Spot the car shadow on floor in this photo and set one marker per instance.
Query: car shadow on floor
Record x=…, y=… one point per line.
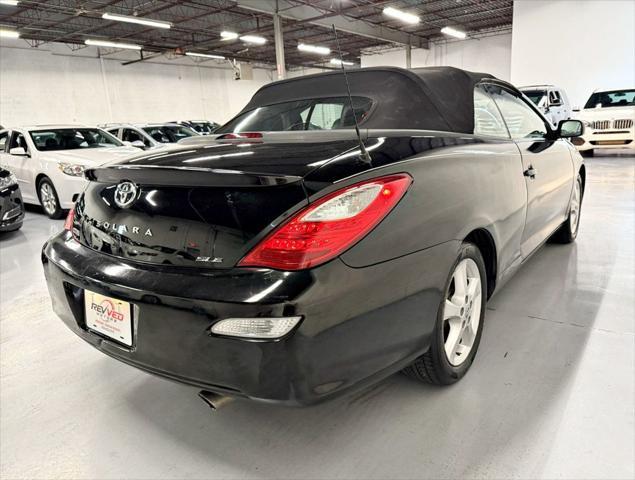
x=527, y=358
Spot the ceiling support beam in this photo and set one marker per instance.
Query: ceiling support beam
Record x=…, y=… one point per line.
x=279, y=41
x=309, y=14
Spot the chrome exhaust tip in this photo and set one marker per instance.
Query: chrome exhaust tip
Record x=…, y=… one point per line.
x=214, y=400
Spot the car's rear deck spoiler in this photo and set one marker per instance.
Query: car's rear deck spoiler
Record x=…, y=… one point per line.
x=185, y=176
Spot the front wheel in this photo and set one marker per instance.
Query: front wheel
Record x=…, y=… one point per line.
x=49, y=199
x=568, y=231
x=459, y=325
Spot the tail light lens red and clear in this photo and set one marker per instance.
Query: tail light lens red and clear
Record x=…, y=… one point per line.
x=329, y=226
x=241, y=136
x=68, y=223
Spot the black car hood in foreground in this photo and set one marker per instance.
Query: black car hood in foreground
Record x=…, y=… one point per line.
x=206, y=205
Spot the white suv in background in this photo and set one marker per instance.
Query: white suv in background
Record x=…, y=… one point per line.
x=150, y=135
x=552, y=101
x=49, y=161
x=608, y=117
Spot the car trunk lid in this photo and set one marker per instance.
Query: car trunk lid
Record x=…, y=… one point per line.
x=201, y=206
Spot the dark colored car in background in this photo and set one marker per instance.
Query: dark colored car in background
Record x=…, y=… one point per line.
x=11, y=206
x=285, y=261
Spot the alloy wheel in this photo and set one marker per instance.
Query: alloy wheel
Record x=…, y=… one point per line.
x=47, y=196
x=462, y=311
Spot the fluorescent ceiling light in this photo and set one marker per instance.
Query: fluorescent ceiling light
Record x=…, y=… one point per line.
x=399, y=15
x=453, y=32
x=138, y=20
x=104, y=43
x=337, y=61
x=9, y=33
x=13, y=3
x=253, y=39
x=314, y=49
x=228, y=35
x=204, y=55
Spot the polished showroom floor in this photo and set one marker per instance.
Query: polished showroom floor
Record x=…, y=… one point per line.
x=550, y=395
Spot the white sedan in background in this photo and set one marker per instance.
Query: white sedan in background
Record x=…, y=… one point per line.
x=609, y=121
x=49, y=161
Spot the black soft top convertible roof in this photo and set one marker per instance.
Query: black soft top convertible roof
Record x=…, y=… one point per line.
x=428, y=98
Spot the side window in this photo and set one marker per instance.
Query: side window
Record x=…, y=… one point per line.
x=130, y=135
x=487, y=118
x=325, y=115
x=17, y=140
x=3, y=140
x=554, y=97
x=113, y=131
x=521, y=120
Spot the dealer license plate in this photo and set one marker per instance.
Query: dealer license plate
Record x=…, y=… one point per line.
x=109, y=316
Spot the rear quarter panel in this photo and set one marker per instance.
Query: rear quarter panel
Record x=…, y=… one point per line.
x=459, y=185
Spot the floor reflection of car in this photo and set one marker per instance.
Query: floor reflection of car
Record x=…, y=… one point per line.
x=11, y=206
x=248, y=265
x=49, y=161
x=150, y=135
x=608, y=117
x=552, y=101
x=202, y=127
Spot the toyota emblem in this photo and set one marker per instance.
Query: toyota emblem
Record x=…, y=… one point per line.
x=125, y=194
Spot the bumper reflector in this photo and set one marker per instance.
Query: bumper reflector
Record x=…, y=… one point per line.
x=262, y=328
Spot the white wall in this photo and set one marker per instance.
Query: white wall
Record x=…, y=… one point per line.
x=486, y=54
x=579, y=45
x=55, y=85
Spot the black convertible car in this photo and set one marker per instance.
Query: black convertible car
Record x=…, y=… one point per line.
x=289, y=260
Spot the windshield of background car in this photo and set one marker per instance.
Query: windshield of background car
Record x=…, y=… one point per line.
x=169, y=133
x=309, y=114
x=615, y=98
x=535, y=95
x=202, y=127
x=72, y=139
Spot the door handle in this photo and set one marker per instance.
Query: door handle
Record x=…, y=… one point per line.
x=530, y=172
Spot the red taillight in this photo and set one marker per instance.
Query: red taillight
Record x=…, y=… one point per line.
x=68, y=224
x=328, y=227
x=240, y=136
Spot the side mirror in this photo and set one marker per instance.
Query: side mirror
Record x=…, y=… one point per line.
x=570, y=128
x=138, y=144
x=18, y=151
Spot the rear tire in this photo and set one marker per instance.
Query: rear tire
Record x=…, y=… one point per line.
x=459, y=325
x=568, y=231
x=48, y=198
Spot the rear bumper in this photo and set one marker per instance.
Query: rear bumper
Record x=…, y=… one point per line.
x=11, y=209
x=359, y=325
